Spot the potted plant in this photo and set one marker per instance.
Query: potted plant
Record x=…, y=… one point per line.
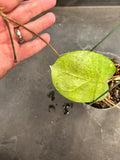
x=87, y=77
x=83, y=76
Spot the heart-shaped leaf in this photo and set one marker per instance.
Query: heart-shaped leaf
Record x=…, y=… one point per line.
x=82, y=76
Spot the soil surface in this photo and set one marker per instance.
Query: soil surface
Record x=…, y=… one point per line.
x=114, y=95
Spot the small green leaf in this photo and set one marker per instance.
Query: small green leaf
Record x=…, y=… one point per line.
x=82, y=76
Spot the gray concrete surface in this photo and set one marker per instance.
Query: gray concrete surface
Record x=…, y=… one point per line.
x=87, y=2
x=28, y=131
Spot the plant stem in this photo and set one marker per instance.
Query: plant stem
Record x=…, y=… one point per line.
x=114, y=29
x=15, y=58
x=5, y=16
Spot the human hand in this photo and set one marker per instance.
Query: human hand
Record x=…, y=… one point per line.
x=23, y=13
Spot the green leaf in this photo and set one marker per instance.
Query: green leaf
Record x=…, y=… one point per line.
x=82, y=76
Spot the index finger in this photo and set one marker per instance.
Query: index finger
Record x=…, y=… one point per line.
x=29, y=9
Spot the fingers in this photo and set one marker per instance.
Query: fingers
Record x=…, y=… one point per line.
x=29, y=9
x=9, y=4
x=30, y=48
x=37, y=26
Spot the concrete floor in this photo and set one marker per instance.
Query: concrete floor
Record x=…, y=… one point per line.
x=28, y=131
x=88, y=2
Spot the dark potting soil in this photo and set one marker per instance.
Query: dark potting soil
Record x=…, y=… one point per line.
x=113, y=95
x=51, y=95
x=51, y=108
x=67, y=108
